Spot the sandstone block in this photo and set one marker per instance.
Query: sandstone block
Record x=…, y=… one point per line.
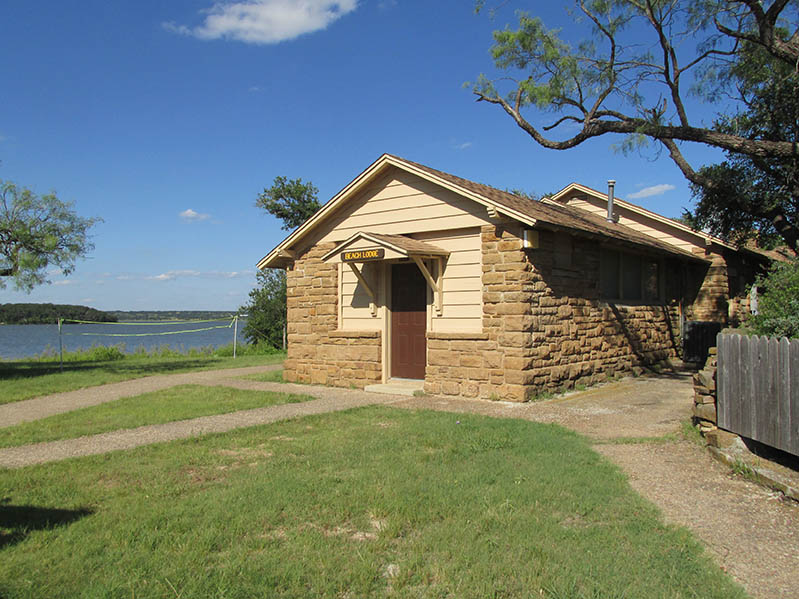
x=471, y=360
x=492, y=359
x=705, y=412
x=720, y=438
x=450, y=388
x=470, y=389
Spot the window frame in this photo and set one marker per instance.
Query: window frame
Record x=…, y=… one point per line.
x=644, y=261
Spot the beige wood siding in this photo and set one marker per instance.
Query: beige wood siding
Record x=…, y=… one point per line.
x=356, y=314
x=463, y=290
x=461, y=281
x=642, y=223
x=400, y=203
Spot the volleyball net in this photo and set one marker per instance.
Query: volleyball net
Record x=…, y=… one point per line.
x=231, y=322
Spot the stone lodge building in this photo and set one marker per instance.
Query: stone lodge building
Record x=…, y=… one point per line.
x=412, y=274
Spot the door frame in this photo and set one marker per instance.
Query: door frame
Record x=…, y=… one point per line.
x=387, y=314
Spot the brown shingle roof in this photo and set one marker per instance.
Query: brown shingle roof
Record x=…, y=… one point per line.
x=559, y=217
x=412, y=246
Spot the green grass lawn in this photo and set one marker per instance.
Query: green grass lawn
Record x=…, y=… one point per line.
x=27, y=379
x=176, y=403
x=373, y=502
x=273, y=376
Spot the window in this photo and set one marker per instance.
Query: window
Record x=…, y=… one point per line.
x=628, y=277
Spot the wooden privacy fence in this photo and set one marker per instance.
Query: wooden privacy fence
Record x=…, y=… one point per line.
x=757, y=385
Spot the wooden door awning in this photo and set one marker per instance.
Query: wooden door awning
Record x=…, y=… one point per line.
x=370, y=247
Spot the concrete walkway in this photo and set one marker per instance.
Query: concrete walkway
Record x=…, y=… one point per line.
x=58, y=403
x=39, y=453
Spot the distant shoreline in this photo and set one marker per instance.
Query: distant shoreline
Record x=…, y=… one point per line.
x=167, y=315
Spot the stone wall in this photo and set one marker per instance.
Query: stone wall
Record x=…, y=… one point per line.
x=544, y=326
x=493, y=364
x=704, y=410
x=579, y=339
x=707, y=289
x=317, y=352
x=705, y=407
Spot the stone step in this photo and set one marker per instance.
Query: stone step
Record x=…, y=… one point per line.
x=398, y=387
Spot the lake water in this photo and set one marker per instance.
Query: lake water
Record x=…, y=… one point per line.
x=26, y=340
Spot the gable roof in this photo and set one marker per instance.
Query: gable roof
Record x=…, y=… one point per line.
x=529, y=212
x=636, y=209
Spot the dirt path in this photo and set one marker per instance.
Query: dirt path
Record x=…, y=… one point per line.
x=327, y=400
x=58, y=403
x=751, y=532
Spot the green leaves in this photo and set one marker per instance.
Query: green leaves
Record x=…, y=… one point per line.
x=779, y=304
x=37, y=232
x=267, y=309
x=292, y=201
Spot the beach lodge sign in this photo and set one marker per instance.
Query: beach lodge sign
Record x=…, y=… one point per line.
x=363, y=255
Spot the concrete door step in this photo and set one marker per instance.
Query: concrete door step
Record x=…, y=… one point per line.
x=397, y=387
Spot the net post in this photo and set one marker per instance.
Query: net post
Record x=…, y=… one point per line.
x=60, y=347
x=235, y=333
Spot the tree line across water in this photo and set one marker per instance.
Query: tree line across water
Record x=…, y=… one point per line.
x=50, y=313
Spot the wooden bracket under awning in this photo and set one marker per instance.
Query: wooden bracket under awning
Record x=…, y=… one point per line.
x=366, y=286
x=365, y=247
x=435, y=284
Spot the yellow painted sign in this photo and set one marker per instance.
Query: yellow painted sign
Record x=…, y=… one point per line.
x=363, y=255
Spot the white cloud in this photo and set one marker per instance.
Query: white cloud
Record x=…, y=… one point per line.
x=462, y=146
x=64, y=282
x=209, y=274
x=191, y=216
x=654, y=190
x=266, y=21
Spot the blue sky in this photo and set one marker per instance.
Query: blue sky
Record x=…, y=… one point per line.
x=167, y=119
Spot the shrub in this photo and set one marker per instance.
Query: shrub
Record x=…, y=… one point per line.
x=778, y=305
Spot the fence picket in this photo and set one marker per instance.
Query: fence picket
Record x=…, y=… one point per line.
x=784, y=392
x=725, y=381
x=758, y=389
x=793, y=426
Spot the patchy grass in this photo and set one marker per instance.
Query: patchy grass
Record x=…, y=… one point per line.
x=273, y=376
x=169, y=405
x=690, y=432
x=34, y=378
x=373, y=502
x=667, y=438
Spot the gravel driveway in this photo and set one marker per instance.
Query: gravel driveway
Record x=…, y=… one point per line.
x=751, y=532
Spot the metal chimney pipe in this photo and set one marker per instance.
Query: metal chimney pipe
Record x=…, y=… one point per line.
x=611, y=188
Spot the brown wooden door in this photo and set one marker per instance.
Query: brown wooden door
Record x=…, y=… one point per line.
x=408, y=322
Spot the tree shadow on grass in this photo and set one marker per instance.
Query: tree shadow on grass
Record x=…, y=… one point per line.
x=17, y=521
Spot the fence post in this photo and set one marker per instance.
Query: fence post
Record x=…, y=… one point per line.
x=60, y=347
x=235, y=333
